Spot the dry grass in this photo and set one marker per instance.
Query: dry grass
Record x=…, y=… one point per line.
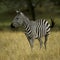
x=15, y=46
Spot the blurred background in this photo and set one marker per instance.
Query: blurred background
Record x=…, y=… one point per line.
x=33, y=9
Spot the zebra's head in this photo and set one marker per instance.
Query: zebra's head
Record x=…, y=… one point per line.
x=18, y=20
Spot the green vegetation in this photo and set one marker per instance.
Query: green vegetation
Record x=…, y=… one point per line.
x=6, y=19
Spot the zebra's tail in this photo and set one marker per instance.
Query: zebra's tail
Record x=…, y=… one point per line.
x=52, y=22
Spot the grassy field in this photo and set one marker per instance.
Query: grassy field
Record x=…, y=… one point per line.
x=15, y=46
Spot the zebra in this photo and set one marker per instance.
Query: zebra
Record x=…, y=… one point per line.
x=33, y=29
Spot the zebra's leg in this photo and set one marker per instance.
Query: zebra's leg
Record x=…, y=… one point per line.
x=31, y=43
x=46, y=36
x=41, y=42
x=30, y=40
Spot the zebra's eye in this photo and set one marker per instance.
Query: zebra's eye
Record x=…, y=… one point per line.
x=17, y=18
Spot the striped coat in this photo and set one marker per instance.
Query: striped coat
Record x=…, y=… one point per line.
x=33, y=29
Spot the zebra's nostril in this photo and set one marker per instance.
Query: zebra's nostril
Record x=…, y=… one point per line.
x=12, y=26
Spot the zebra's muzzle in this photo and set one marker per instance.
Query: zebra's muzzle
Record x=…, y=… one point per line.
x=12, y=26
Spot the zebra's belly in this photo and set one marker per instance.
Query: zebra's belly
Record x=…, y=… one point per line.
x=34, y=32
x=35, y=36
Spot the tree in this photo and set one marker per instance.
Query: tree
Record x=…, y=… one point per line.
x=32, y=5
x=18, y=4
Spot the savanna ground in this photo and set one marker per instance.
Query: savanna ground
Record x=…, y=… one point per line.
x=14, y=44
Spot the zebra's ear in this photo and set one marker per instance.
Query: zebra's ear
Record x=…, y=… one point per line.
x=21, y=13
x=18, y=12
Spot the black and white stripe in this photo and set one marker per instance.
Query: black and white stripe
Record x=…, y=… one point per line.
x=43, y=27
x=42, y=30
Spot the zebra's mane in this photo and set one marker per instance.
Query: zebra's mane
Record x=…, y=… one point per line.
x=25, y=18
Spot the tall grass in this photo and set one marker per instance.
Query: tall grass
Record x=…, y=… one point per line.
x=15, y=46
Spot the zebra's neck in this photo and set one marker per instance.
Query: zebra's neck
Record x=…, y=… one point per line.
x=26, y=21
